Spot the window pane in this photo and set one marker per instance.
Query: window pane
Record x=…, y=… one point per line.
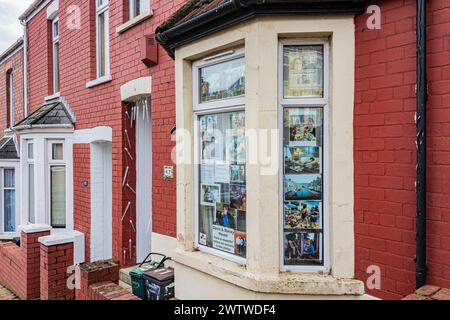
x=56, y=67
x=31, y=202
x=303, y=71
x=30, y=151
x=58, y=196
x=144, y=6
x=222, y=81
x=55, y=29
x=222, y=188
x=303, y=186
x=101, y=50
x=9, y=178
x=57, y=151
x=10, y=210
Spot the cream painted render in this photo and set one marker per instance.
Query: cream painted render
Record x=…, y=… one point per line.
x=136, y=89
x=261, y=274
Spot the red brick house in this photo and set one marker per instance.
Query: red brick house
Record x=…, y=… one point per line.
x=94, y=128
x=338, y=196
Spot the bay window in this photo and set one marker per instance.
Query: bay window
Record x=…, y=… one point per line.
x=303, y=92
x=55, y=51
x=9, y=199
x=138, y=7
x=57, y=179
x=102, y=45
x=221, y=154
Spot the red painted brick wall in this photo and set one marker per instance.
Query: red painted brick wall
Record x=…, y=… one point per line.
x=14, y=63
x=102, y=106
x=54, y=263
x=385, y=152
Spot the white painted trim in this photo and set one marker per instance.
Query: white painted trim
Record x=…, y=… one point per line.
x=99, y=10
x=99, y=81
x=35, y=228
x=52, y=10
x=32, y=12
x=97, y=134
x=101, y=201
x=53, y=96
x=16, y=166
x=143, y=187
x=136, y=89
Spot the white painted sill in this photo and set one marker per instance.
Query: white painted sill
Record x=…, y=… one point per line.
x=53, y=96
x=134, y=21
x=99, y=81
x=282, y=283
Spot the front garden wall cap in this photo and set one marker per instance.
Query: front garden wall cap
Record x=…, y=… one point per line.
x=54, y=113
x=199, y=18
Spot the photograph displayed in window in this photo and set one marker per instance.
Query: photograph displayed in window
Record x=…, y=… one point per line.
x=9, y=200
x=303, y=186
x=222, y=81
x=303, y=71
x=222, y=187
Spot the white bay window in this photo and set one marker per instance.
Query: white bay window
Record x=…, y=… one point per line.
x=57, y=184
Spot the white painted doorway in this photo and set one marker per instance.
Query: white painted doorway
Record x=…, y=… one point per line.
x=101, y=201
x=143, y=181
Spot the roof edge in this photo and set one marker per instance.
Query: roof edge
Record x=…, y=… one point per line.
x=31, y=9
x=233, y=12
x=15, y=46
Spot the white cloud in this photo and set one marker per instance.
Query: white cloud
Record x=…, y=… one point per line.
x=10, y=27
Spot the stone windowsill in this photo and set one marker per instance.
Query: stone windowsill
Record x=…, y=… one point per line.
x=134, y=21
x=283, y=283
x=99, y=81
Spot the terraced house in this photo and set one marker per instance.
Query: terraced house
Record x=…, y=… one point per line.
x=312, y=149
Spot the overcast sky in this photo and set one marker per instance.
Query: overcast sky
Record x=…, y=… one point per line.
x=10, y=27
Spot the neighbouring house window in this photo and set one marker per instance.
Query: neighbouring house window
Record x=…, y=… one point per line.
x=9, y=200
x=55, y=46
x=138, y=7
x=57, y=170
x=31, y=197
x=102, y=22
x=222, y=189
x=10, y=98
x=304, y=107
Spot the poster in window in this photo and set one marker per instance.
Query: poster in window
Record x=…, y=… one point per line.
x=302, y=215
x=304, y=126
x=303, y=71
x=240, y=243
x=210, y=194
x=302, y=248
x=238, y=197
x=302, y=160
x=235, y=148
x=303, y=187
x=223, y=80
x=237, y=173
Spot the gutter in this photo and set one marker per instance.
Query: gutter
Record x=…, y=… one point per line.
x=232, y=12
x=421, y=190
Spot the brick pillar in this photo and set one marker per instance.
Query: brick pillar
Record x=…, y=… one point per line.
x=30, y=250
x=96, y=272
x=55, y=261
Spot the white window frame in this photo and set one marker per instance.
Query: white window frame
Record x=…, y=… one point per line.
x=99, y=10
x=55, y=43
x=30, y=161
x=55, y=163
x=217, y=107
x=11, y=98
x=2, y=199
x=133, y=13
x=306, y=102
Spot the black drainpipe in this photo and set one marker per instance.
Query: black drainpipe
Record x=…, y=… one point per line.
x=421, y=195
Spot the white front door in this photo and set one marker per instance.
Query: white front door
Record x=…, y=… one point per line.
x=101, y=201
x=143, y=185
